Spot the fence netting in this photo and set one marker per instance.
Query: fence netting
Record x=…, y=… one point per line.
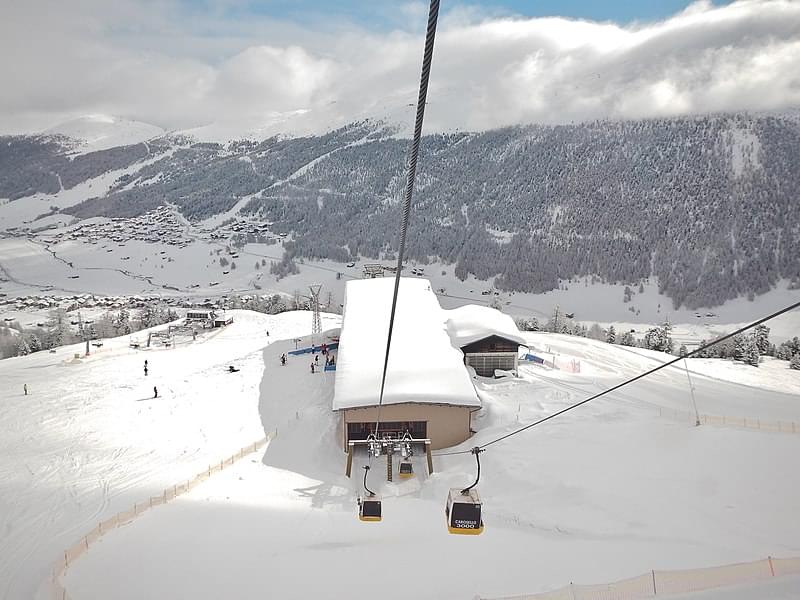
x=666, y=583
x=124, y=517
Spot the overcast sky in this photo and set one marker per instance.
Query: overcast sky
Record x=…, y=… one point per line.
x=182, y=64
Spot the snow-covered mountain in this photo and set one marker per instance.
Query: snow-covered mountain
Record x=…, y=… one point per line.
x=704, y=205
x=100, y=132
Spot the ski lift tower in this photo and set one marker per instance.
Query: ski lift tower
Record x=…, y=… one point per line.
x=316, y=323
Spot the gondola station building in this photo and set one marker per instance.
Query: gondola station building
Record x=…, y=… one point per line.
x=429, y=391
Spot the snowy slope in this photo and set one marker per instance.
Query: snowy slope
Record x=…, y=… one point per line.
x=605, y=492
x=100, y=132
x=90, y=440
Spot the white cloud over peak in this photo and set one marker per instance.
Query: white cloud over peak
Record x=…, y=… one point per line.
x=181, y=71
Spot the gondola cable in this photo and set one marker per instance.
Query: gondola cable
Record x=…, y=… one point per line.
x=411, y=172
x=433, y=16
x=628, y=381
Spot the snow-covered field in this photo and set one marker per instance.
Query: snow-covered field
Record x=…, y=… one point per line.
x=90, y=440
x=139, y=267
x=605, y=492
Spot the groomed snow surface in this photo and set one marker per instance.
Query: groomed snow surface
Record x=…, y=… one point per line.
x=603, y=493
x=90, y=440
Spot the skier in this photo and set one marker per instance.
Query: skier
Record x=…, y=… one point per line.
x=145, y=370
x=25, y=387
x=312, y=368
x=155, y=392
x=283, y=360
x=316, y=358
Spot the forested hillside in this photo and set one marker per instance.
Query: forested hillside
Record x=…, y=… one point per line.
x=708, y=205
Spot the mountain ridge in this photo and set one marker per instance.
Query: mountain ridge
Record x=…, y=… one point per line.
x=702, y=203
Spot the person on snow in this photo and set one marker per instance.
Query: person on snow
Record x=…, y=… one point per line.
x=283, y=360
x=316, y=359
x=155, y=392
x=312, y=368
x=25, y=387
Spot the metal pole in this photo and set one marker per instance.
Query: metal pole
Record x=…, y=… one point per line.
x=691, y=391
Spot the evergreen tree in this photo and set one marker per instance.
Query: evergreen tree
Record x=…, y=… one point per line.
x=788, y=349
x=23, y=348
x=682, y=351
x=658, y=339
x=739, y=342
x=750, y=353
x=122, y=322
x=611, y=335
x=795, y=362
x=761, y=333
x=627, y=339
x=34, y=343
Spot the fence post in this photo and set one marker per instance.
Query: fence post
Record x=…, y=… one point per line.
x=655, y=590
x=771, y=568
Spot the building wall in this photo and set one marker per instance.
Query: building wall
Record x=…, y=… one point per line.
x=485, y=363
x=447, y=425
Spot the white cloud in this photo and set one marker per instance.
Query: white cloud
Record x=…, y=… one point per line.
x=156, y=63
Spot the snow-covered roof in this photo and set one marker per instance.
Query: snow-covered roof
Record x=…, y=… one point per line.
x=468, y=324
x=424, y=367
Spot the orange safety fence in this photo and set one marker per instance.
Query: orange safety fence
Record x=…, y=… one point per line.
x=122, y=518
x=726, y=421
x=666, y=583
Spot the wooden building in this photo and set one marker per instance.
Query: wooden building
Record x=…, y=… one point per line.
x=428, y=391
x=488, y=339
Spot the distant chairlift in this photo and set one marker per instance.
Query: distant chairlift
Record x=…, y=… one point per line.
x=463, y=508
